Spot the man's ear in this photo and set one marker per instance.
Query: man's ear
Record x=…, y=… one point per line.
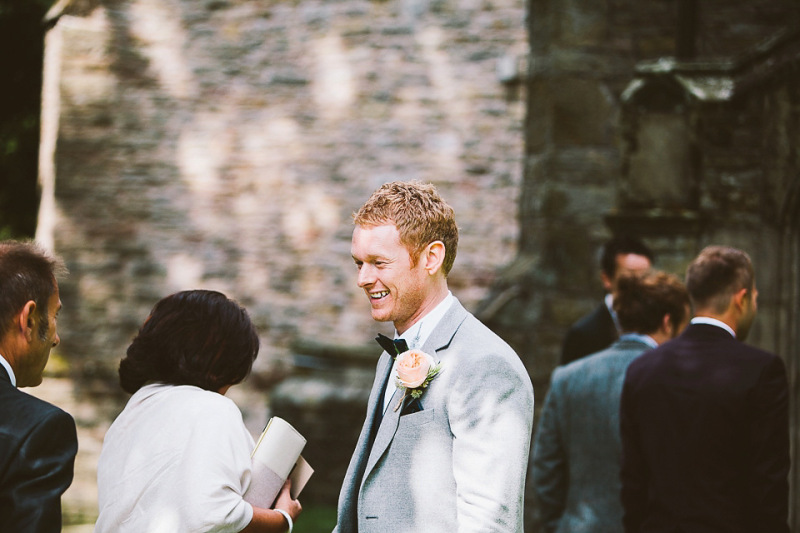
x=607, y=284
x=434, y=257
x=740, y=298
x=26, y=320
x=667, y=327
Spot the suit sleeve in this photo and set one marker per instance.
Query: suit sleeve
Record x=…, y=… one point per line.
x=769, y=440
x=550, y=462
x=44, y=472
x=491, y=416
x=633, y=474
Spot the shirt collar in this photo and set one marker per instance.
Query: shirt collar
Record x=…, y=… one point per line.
x=417, y=334
x=609, y=300
x=713, y=322
x=5, y=364
x=646, y=339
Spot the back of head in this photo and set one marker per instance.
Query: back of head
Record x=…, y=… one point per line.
x=196, y=337
x=716, y=274
x=643, y=300
x=622, y=245
x=419, y=213
x=27, y=272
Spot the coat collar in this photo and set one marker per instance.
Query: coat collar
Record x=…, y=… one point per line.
x=706, y=331
x=7, y=372
x=442, y=336
x=440, y=339
x=4, y=375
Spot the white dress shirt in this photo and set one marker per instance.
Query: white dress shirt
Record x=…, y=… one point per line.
x=415, y=337
x=609, y=301
x=713, y=322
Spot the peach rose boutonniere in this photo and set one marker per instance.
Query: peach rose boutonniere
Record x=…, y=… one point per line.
x=415, y=370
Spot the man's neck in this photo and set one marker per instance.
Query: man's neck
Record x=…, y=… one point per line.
x=425, y=309
x=417, y=335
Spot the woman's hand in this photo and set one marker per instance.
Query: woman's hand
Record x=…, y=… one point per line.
x=270, y=520
x=285, y=501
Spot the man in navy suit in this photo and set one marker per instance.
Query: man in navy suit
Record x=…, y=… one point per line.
x=38, y=441
x=598, y=329
x=704, y=417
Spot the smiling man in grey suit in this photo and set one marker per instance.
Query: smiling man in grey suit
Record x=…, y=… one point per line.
x=454, y=458
x=576, y=453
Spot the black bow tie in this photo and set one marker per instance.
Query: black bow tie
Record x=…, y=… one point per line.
x=393, y=347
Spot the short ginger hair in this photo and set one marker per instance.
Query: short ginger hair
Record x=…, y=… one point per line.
x=420, y=215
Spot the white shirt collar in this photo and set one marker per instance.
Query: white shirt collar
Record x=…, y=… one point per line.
x=609, y=300
x=646, y=339
x=713, y=322
x=415, y=337
x=417, y=334
x=8, y=368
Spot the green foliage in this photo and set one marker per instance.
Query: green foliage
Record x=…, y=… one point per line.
x=22, y=37
x=316, y=519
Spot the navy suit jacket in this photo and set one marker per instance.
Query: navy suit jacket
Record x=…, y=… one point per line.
x=705, y=437
x=590, y=334
x=38, y=443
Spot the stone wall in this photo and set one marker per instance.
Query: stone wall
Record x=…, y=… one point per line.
x=225, y=143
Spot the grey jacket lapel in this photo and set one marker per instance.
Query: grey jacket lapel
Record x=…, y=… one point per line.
x=443, y=334
x=439, y=339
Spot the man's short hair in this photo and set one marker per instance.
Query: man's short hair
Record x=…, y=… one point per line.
x=716, y=274
x=642, y=300
x=419, y=213
x=622, y=245
x=196, y=337
x=27, y=272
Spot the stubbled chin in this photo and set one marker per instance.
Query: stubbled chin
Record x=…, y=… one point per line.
x=380, y=311
x=379, y=315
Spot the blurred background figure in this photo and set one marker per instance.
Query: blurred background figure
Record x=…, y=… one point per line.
x=576, y=453
x=704, y=419
x=598, y=329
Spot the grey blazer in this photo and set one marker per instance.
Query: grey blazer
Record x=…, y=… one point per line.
x=576, y=451
x=457, y=462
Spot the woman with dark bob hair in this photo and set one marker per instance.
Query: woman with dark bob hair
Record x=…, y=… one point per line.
x=177, y=459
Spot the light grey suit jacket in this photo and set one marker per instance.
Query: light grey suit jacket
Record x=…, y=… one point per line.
x=459, y=464
x=576, y=452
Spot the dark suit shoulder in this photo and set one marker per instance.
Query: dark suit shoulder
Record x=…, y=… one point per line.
x=38, y=444
x=703, y=351
x=27, y=409
x=29, y=423
x=599, y=317
x=591, y=333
